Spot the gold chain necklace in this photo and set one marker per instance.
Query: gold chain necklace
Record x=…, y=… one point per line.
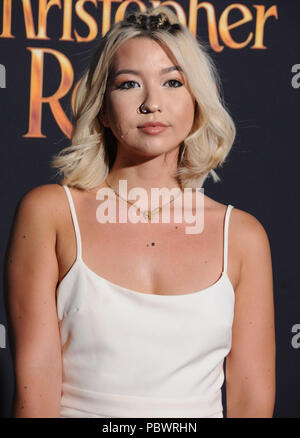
x=148, y=214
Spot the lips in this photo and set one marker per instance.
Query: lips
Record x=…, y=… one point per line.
x=152, y=124
x=153, y=128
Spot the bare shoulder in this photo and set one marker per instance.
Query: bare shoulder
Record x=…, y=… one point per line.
x=253, y=246
x=248, y=230
x=248, y=239
x=46, y=195
x=45, y=200
x=245, y=227
x=32, y=240
x=36, y=218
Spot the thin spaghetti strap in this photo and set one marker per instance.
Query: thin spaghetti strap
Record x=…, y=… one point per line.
x=226, y=226
x=75, y=221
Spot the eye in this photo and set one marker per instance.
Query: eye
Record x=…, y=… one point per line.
x=176, y=81
x=174, y=84
x=123, y=87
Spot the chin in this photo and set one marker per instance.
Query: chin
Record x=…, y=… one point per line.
x=151, y=150
x=155, y=152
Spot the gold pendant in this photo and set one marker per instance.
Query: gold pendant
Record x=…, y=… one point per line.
x=147, y=214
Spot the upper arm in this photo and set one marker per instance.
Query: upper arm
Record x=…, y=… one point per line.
x=31, y=276
x=250, y=365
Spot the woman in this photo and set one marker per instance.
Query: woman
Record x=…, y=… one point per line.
x=134, y=319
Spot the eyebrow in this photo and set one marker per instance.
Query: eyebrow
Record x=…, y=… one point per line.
x=136, y=72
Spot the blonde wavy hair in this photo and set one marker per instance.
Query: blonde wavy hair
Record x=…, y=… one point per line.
x=88, y=160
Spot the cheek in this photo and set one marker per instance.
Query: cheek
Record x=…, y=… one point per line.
x=121, y=109
x=121, y=117
x=184, y=110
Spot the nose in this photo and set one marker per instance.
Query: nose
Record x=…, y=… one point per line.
x=150, y=108
x=152, y=101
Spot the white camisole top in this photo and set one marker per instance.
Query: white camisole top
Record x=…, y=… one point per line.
x=130, y=354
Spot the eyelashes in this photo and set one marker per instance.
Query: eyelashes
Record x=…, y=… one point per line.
x=123, y=87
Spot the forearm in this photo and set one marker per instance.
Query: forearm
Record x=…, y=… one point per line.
x=37, y=394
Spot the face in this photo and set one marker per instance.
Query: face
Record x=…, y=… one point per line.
x=164, y=94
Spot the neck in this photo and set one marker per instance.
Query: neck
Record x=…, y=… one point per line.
x=150, y=173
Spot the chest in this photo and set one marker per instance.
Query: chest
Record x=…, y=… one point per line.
x=147, y=257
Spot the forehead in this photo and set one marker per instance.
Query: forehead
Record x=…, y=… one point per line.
x=139, y=51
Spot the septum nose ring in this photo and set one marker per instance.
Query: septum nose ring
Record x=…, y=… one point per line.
x=142, y=110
